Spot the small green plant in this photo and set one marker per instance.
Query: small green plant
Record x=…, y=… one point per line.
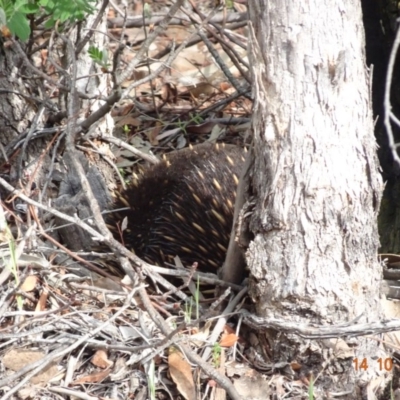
x=147, y=10
x=181, y=125
x=311, y=389
x=194, y=119
x=193, y=301
x=216, y=355
x=151, y=380
x=197, y=298
x=188, y=310
x=126, y=128
x=229, y=4
x=14, y=13
x=99, y=57
x=12, y=262
x=65, y=10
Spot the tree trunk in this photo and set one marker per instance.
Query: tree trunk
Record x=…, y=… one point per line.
x=18, y=107
x=315, y=179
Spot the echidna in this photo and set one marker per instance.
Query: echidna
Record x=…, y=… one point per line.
x=183, y=206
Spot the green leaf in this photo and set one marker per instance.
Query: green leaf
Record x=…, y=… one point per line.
x=147, y=10
x=104, y=57
x=64, y=16
x=29, y=9
x=47, y=3
x=50, y=23
x=3, y=18
x=8, y=7
x=18, y=25
x=19, y=3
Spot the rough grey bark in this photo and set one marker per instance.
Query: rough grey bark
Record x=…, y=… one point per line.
x=315, y=180
x=18, y=106
x=15, y=110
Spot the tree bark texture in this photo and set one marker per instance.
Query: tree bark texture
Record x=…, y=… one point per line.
x=18, y=107
x=315, y=174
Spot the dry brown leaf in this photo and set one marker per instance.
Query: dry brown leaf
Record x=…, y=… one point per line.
x=252, y=385
x=179, y=34
x=93, y=378
x=44, y=55
x=228, y=340
x=153, y=133
x=29, y=392
x=295, y=366
x=198, y=338
x=340, y=348
x=122, y=111
x=201, y=89
x=229, y=329
x=132, y=35
x=29, y=283
x=101, y=360
x=204, y=128
x=169, y=93
x=41, y=304
x=126, y=120
x=224, y=86
x=45, y=375
x=111, y=13
x=18, y=359
x=107, y=283
x=181, y=374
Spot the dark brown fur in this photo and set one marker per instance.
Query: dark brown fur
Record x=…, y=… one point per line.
x=183, y=206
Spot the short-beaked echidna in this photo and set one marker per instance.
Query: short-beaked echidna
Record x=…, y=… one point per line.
x=183, y=206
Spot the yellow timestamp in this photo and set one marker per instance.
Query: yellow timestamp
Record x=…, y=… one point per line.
x=362, y=364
